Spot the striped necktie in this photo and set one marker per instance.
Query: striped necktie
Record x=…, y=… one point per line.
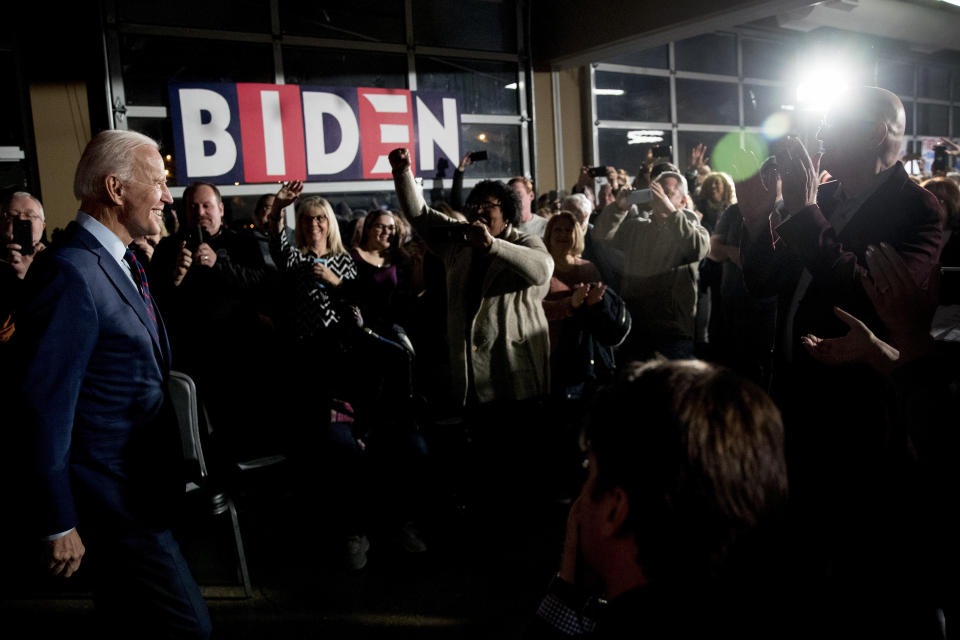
x=140, y=277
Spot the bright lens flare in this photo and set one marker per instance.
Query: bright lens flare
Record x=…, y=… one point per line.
x=776, y=126
x=818, y=92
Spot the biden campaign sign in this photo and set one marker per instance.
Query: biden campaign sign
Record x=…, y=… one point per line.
x=248, y=132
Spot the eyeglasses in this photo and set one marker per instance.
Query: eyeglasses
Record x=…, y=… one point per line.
x=21, y=215
x=383, y=227
x=159, y=185
x=484, y=206
x=312, y=219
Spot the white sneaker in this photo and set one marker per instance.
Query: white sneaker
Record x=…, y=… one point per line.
x=355, y=556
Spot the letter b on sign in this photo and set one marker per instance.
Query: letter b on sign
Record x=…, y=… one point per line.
x=206, y=130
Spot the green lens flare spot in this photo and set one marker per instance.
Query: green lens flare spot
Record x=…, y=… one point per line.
x=727, y=151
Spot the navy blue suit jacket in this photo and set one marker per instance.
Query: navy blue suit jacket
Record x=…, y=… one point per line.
x=107, y=450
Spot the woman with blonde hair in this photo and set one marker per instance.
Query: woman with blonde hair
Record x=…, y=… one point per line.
x=715, y=195
x=318, y=264
x=583, y=315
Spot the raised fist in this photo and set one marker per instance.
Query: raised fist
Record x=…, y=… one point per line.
x=399, y=160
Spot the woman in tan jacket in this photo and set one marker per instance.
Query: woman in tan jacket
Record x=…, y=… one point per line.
x=497, y=278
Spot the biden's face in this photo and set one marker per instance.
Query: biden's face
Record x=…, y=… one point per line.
x=145, y=194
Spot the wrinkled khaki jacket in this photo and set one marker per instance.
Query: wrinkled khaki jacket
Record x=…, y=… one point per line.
x=508, y=346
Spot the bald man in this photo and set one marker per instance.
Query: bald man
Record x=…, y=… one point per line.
x=853, y=490
x=811, y=250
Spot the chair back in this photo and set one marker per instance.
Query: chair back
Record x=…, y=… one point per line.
x=183, y=394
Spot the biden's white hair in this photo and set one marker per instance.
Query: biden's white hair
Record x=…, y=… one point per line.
x=109, y=153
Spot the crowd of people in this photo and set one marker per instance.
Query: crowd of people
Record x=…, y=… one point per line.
x=515, y=320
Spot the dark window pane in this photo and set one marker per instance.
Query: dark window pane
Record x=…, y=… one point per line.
x=908, y=108
x=238, y=209
x=325, y=67
x=710, y=53
x=149, y=63
x=13, y=176
x=11, y=123
x=369, y=20
x=704, y=102
x=657, y=58
x=229, y=15
x=766, y=59
x=687, y=140
x=161, y=130
x=934, y=83
x=760, y=102
x=956, y=87
x=479, y=86
x=363, y=201
x=618, y=147
x=467, y=24
x=956, y=123
x=933, y=119
x=502, y=144
x=896, y=77
x=644, y=98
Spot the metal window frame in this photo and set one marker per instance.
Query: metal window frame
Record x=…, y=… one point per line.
x=120, y=112
x=915, y=136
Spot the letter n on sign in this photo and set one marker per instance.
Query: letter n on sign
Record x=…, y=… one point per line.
x=386, y=122
x=271, y=122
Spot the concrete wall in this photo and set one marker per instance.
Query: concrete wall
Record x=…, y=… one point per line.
x=61, y=123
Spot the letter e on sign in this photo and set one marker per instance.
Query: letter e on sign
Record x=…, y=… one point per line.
x=386, y=122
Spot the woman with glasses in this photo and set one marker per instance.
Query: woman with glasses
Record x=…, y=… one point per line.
x=376, y=258
x=318, y=265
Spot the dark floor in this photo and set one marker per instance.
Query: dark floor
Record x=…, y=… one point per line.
x=480, y=578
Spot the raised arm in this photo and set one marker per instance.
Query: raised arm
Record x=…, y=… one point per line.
x=612, y=216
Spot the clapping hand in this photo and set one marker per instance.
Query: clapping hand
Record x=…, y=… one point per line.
x=859, y=345
x=595, y=293
x=905, y=307
x=755, y=196
x=799, y=174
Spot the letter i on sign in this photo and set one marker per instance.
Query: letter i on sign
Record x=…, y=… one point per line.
x=386, y=122
x=271, y=122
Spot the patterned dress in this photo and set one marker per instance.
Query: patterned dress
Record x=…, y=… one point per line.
x=316, y=304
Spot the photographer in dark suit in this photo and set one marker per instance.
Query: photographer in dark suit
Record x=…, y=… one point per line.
x=210, y=280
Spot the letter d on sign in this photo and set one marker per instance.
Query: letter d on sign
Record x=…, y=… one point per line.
x=205, y=116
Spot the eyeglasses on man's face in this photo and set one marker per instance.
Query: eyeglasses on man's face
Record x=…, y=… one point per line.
x=20, y=214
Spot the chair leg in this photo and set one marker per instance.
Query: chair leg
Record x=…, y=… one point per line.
x=241, y=556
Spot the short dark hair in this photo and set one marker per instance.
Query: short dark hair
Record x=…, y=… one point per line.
x=699, y=453
x=262, y=201
x=196, y=185
x=510, y=203
x=661, y=167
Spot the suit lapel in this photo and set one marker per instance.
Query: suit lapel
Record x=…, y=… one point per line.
x=128, y=291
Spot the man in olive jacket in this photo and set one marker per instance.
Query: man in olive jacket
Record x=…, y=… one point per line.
x=497, y=278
